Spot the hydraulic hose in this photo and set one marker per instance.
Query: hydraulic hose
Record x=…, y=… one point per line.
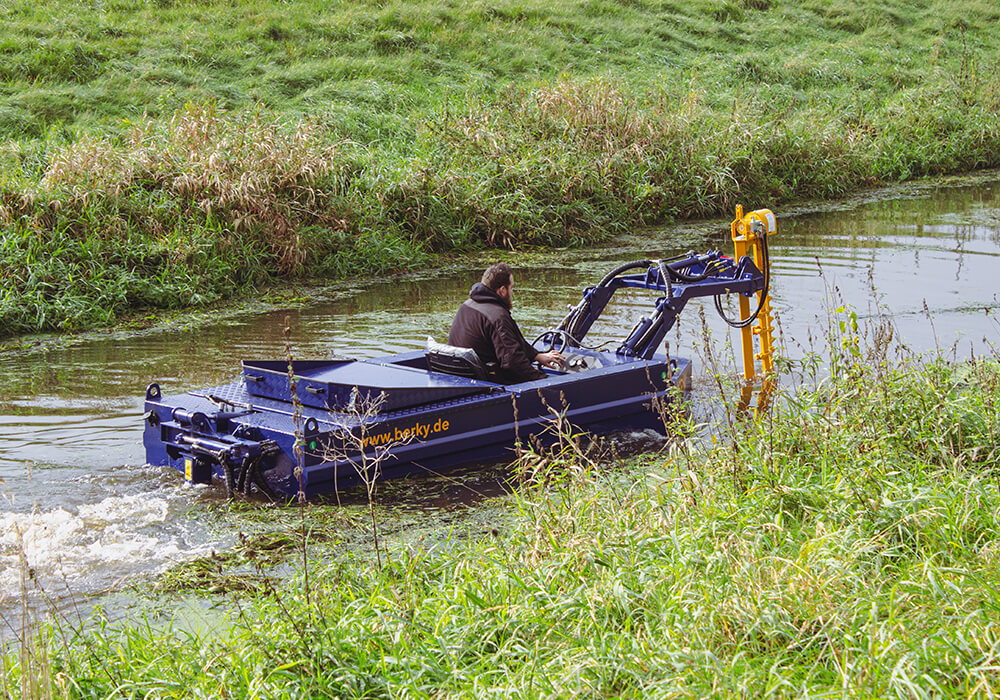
x=577, y=315
x=566, y=337
x=665, y=274
x=684, y=277
x=766, y=260
x=622, y=268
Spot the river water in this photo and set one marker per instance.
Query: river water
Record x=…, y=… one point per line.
x=81, y=514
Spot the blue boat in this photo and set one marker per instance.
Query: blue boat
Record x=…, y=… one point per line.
x=316, y=427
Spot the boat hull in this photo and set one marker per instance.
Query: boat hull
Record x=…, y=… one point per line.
x=242, y=434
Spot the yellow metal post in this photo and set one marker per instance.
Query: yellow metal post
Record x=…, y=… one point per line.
x=748, y=232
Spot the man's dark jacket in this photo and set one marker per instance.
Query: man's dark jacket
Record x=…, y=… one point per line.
x=484, y=324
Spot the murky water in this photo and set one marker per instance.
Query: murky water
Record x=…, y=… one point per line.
x=83, y=513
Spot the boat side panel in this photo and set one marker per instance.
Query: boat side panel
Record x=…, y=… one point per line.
x=621, y=397
x=429, y=438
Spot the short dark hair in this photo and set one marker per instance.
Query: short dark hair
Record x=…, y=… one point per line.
x=497, y=275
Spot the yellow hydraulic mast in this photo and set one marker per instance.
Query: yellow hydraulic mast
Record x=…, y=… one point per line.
x=749, y=234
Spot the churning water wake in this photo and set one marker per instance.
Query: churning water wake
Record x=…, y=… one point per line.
x=93, y=547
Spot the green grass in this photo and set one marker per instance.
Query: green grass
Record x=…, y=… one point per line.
x=200, y=148
x=845, y=543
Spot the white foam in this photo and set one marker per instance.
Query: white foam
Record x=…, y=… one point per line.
x=92, y=548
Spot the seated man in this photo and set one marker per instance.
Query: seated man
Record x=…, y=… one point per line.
x=484, y=324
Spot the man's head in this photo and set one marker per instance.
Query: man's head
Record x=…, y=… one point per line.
x=500, y=279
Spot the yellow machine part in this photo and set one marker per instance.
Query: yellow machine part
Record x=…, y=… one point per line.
x=748, y=232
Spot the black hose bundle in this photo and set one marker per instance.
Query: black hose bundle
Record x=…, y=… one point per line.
x=646, y=264
x=766, y=261
x=685, y=277
x=579, y=312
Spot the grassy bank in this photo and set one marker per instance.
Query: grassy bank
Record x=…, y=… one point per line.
x=844, y=544
x=160, y=155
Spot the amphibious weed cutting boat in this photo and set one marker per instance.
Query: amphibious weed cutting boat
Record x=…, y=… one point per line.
x=314, y=427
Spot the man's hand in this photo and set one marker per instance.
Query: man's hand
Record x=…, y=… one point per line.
x=551, y=359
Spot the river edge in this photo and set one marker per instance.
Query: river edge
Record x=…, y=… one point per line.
x=304, y=292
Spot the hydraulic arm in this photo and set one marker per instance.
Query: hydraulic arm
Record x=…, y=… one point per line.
x=684, y=278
